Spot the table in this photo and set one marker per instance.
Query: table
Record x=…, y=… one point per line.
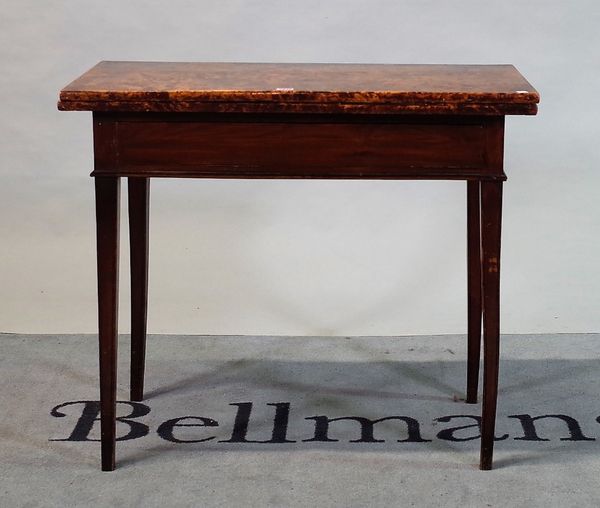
x=255, y=120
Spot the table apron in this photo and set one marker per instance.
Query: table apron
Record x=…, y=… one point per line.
x=403, y=147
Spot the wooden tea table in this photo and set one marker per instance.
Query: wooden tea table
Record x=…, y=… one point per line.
x=240, y=120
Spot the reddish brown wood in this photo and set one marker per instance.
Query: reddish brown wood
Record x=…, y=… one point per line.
x=275, y=146
x=139, y=194
x=107, y=225
x=491, y=217
x=441, y=108
x=474, y=308
x=323, y=88
x=297, y=121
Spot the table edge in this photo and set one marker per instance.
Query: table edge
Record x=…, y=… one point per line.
x=257, y=107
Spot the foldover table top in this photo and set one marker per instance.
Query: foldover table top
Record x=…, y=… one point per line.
x=299, y=87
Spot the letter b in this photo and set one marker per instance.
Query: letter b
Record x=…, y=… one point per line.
x=90, y=414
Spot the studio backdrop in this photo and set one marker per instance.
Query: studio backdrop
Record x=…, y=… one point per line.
x=302, y=257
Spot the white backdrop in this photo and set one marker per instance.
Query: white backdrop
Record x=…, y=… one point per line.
x=288, y=257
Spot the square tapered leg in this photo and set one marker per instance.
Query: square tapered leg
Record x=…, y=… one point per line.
x=107, y=245
x=474, y=289
x=491, y=217
x=139, y=191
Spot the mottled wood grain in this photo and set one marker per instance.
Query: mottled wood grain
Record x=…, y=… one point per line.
x=301, y=88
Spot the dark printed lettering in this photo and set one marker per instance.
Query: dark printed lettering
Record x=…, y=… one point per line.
x=366, y=429
x=242, y=419
x=449, y=434
x=530, y=432
x=165, y=429
x=90, y=414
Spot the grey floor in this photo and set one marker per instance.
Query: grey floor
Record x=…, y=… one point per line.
x=49, y=388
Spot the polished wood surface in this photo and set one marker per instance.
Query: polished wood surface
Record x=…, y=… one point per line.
x=474, y=292
x=261, y=87
x=275, y=146
x=107, y=241
x=297, y=121
x=139, y=215
x=491, y=219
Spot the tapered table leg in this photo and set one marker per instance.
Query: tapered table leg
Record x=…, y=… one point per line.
x=107, y=246
x=491, y=217
x=474, y=307
x=138, y=243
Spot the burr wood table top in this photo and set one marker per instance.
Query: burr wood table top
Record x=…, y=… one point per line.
x=299, y=87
